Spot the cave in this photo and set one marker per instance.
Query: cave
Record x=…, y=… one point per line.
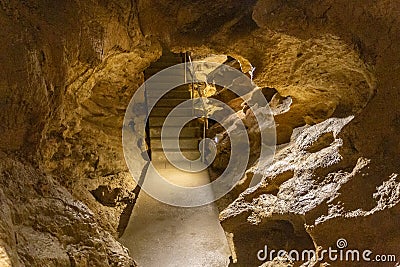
x=305, y=134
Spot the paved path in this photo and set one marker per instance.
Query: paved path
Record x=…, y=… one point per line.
x=163, y=235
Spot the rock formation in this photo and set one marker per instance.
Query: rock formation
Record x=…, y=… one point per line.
x=69, y=69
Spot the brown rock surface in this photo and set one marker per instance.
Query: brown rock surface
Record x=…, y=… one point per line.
x=334, y=59
x=42, y=224
x=69, y=69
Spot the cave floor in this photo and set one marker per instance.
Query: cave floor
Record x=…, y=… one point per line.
x=162, y=235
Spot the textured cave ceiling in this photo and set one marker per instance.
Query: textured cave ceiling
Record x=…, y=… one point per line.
x=70, y=68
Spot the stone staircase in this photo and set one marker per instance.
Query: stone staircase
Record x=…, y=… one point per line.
x=190, y=135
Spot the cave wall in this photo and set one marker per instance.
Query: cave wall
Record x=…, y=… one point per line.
x=69, y=68
x=335, y=59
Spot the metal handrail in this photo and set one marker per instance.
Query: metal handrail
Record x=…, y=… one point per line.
x=147, y=125
x=205, y=113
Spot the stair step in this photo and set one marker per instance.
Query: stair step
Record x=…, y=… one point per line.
x=190, y=166
x=159, y=155
x=162, y=66
x=172, y=77
x=155, y=132
x=178, y=70
x=173, y=150
x=196, y=138
x=184, y=144
x=164, y=111
x=159, y=121
x=181, y=88
x=155, y=69
x=171, y=94
x=165, y=62
x=166, y=85
x=169, y=102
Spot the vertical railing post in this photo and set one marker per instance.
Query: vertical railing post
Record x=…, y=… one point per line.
x=205, y=115
x=204, y=138
x=185, y=68
x=147, y=126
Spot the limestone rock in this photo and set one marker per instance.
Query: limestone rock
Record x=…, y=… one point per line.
x=69, y=69
x=44, y=225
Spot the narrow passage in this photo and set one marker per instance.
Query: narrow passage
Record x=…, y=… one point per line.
x=162, y=235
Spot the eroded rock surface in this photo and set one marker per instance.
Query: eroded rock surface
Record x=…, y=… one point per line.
x=42, y=224
x=70, y=68
x=68, y=72
x=333, y=59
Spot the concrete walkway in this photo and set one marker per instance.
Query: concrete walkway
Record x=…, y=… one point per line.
x=163, y=235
